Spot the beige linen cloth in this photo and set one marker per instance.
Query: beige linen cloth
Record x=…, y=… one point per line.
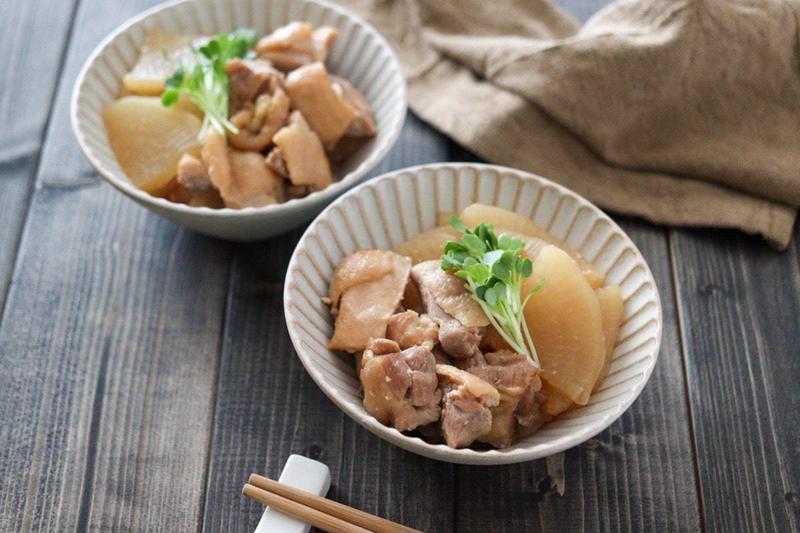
x=681, y=112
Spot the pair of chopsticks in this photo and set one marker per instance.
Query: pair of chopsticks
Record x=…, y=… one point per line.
x=321, y=513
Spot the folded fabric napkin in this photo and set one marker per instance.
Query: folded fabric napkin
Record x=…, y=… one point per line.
x=681, y=112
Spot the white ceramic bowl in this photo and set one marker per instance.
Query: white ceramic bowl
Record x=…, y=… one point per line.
x=360, y=55
x=394, y=207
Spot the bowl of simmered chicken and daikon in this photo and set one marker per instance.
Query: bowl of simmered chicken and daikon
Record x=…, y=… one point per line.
x=243, y=119
x=473, y=313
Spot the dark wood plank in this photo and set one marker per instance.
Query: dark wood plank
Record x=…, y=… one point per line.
x=638, y=475
x=268, y=407
x=739, y=301
x=109, y=346
x=32, y=37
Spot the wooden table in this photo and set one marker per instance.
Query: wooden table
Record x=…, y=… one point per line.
x=145, y=370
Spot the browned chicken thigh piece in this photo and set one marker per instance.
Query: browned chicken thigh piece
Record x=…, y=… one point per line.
x=411, y=329
x=303, y=154
x=259, y=107
x=380, y=346
x=277, y=163
x=364, y=124
x=192, y=186
x=257, y=184
x=325, y=109
x=242, y=178
x=530, y=413
x=441, y=356
x=375, y=347
x=175, y=192
x=361, y=267
x=323, y=38
x=466, y=411
x=366, y=301
x=296, y=44
x=192, y=173
x=515, y=378
x=248, y=78
x=360, y=129
x=446, y=300
x=465, y=363
x=401, y=388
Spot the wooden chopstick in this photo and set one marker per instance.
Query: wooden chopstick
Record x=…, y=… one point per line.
x=306, y=506
x=297, y=510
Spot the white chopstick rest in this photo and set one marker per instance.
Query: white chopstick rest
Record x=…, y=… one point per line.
x=304, y=474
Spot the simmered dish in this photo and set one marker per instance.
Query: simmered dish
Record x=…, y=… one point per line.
x=475, y=333
x=233, y=121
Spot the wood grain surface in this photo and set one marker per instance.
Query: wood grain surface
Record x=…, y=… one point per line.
x=739, y=302
x=109, y=345
x=147, y=371
x=29, y=73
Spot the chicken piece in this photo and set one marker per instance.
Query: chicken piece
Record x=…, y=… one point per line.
x=468, y=399
x=458, y=340
x=493, y=342
x=247, y=79
x=514, y=376
x=305, y=158
x=192, y=186
x=530, y=413
x=364, y=124
x=441, y=356
x=242, y=178
x=209, y=198
x=446, y=300
x=297, y=191
x=325, y=109
x=401, y=388
x=449, y=293
x=411, y=298
x=365, y=307
x=192, y=173
x=257, y=184
x=374, y=348
x=259, y=124
x=411, y=329
x=363, y=266
x=323, y=39
x=178, y=193
x=465, y=363
x=380, y=346
x=277, y=163
x=214, y=153
x=258, y=105
x=295, y=45
x=361, y=129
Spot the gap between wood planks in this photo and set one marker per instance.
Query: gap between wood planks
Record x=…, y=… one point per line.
x=687, y=386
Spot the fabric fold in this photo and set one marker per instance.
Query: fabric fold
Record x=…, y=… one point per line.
x=683, y=113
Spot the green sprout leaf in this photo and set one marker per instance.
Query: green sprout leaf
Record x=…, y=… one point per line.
x=491, y=257
x=206, y=81
x=493, y=268
x=506, y=242
x=458, y=225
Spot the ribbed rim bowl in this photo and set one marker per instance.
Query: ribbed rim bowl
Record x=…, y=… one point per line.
x=361, y=54
x=396, y=206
